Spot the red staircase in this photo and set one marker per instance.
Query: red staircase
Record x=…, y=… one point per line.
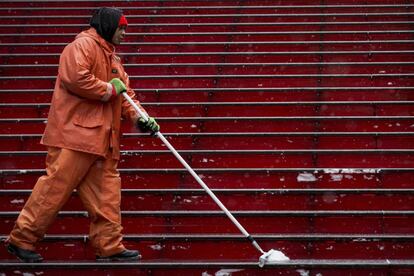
x=298, y=114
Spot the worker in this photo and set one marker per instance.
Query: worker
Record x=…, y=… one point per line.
x=82, y=138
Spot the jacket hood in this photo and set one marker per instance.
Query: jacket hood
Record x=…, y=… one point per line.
x=106, y=21
x=92, y=33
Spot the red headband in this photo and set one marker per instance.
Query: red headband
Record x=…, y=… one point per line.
x=123, y=21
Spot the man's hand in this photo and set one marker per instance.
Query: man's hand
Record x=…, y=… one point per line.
x=117, y=86
x=150, y=125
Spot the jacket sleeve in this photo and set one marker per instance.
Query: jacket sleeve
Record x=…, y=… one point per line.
x=75, y=67
x=128, y=111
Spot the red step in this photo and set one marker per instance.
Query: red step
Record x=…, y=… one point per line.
x=212, y=68
x=319, y=130
x=232, y=109
x=219, y=248
x=261, y=222
x=246, y=124
x=236, y=94
x=330, y=158
x=331, y=199
x=296, y=178
x=220, y=267
x=213, y=141
x=239, y=46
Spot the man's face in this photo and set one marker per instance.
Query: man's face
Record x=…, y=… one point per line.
x=119, y=35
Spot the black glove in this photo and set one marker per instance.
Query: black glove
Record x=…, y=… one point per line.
x=150, y=125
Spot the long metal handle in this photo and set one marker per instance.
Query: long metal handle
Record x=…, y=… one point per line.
x=195, y=175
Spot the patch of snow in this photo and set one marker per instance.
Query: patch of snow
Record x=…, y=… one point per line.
x=13, y=182
x=277, y=256
x=328, y=171
x=303, y=272
x=156, y=247
x=368, y=177
x=176, y=247
x=227, y=272
x=336, y=177
x=17, y=201
x=306, y=177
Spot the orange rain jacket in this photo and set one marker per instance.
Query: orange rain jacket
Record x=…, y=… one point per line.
x=82, y=116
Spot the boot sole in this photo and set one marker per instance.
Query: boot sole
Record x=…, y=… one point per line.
x=13, y=252
x=129, y=259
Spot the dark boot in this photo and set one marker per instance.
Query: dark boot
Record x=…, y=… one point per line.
x=124, y=256
x=24, y=255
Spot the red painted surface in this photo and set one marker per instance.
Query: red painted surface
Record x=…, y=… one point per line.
x=291, y=40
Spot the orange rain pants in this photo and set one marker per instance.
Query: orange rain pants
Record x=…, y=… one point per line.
x=99, y=187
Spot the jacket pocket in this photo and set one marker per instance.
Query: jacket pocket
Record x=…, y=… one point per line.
x=89, y=115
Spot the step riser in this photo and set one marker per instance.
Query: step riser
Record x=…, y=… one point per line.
x=219, y=56
x=28, y=28
x=230, y=96
x=229, y=70
x=182, y=126
x=232, y=47
x=260, y=15
x=231, y=160
x=192, y=9
x=327, y=201
x=301, y=180
x=241, y=110
x=213, y=3
x=222, y=225
x=238, y=143
x=170, y=81
x=239, y=250
x=216, y=38
x=220, y=270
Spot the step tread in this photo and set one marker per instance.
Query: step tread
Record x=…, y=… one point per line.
x=192, y=24
x=305, y=42
x=232, y=151
x=181, y=76
x=243, y=118
x=246, y=64
x=351, y=102
x=243, y=190
x=247, y=6
x=253, y=213
x=227, y=134
x=237, y=89
x=213, y=170
x=189, y=236
x=124, y=54
x=221, y=33
x=220, y=263
x=363, y=14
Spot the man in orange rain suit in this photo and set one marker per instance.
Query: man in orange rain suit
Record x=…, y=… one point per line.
x=82, y=136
